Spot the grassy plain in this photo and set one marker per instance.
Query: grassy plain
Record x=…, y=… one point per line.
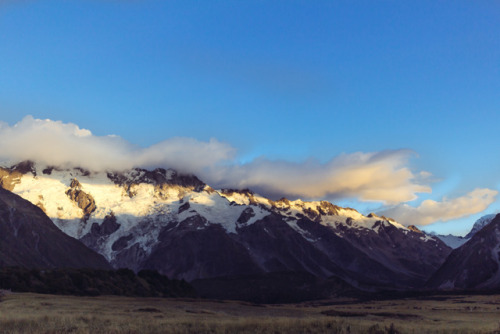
x=34, y=313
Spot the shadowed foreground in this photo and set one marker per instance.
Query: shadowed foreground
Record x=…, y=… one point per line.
x=32, y=313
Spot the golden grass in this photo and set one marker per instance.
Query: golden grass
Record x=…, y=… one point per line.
x=32, y=313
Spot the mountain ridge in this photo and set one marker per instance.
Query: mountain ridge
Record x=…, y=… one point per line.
x=178, y=225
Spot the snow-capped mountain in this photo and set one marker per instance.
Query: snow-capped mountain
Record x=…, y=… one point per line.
x=183, y=228
x=479, y=224
x=454, y=241
x=476, y=264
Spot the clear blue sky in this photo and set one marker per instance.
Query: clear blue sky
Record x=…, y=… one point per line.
x=281, y=79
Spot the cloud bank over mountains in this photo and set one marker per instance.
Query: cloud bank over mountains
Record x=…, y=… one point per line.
x=430, y=211
x=375, y=176
x=66, y=144
x=378, y=176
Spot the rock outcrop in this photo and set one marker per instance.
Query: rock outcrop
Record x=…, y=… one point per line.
x=84, y=201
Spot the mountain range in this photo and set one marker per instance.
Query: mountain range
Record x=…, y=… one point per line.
x=183, y=228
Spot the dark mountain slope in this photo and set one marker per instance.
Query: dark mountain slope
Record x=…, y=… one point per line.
x=28, y=238
x=474, y=265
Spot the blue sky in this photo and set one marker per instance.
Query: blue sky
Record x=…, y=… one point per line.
x=291, y=81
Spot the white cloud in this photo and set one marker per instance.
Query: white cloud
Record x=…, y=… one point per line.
x=62, y=144
x=430, y=211
x=186, y=154
x=65, y=144
x=380, y=176
x=377, y=176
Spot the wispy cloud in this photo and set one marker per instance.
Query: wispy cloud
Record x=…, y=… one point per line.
x=378, y=176
x=430, y=211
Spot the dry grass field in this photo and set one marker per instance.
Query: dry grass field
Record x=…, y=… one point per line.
x=33, y=313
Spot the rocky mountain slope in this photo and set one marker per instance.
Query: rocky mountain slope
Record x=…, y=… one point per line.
x=28, y=238
x=183, y=228
x=475, y=265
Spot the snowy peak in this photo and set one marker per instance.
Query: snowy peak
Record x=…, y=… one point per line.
x=479, y=224
x=243, y=197
x=142, y=202
x=140, y=192
x=9, y=177
x=415, y=229
x=322, y=212
x=157, y=177
x=454, y=241
x=25, y=167
x=373, y=215
x=73, y=194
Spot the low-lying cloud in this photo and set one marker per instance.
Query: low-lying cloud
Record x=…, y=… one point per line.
x=380, y=176
x=377, y=176
x=430, y=211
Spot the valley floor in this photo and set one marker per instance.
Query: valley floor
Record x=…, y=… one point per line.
x=34, y=313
